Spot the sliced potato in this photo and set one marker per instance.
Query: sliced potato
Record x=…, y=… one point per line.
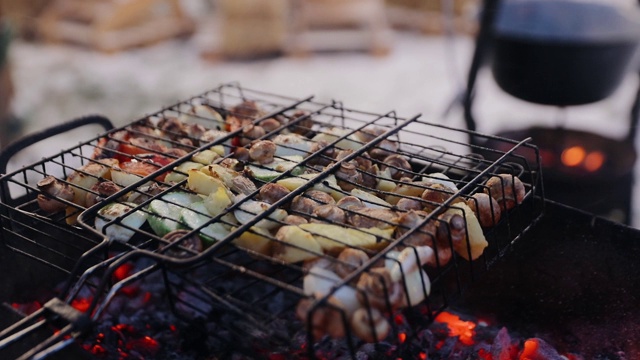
x=385, y=182
x=477, y=241
x=179, y=173
x=414, y=189
x=202, y=183
x=256, y=239
x=334, y=238
x=205, y=157
x=220, y=172
x=303, y=245
x=370, y=200
x=328, y=185
x=292, y=183
x=217, y=201
x=251, y=208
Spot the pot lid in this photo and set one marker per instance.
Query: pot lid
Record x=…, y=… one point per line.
x=567, y=21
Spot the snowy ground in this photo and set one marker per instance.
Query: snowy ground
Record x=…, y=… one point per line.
x=421, y=75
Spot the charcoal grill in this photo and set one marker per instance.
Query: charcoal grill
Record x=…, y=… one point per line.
x=243, y=294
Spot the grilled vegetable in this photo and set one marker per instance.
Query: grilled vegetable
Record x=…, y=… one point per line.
x=217, y=201
x=270, y=171
x=334, y=238
x=195, y=216
x=88, y=175
x=179, y=173
x=202, y=183
x=370, y=200
x=296, y=245
x=251, y=208
x=125, y=229
x=256, y=239
x=168, y=210
x=477, y=241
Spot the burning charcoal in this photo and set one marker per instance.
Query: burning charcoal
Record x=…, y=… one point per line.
x=538, y=349
x=502, y=347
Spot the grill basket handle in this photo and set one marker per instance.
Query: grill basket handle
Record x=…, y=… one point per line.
x=7, y=154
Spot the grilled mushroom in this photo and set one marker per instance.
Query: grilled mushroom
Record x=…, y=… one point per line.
x=435, y=195
x=100, y=191
x=272, y=192
x=270, y=124
x=349, y=260
x=192, y=242
x=330, y=213
x=294, y=220
x=250, y=133
x=398, y=165
x=350, y=202
x=242, y=185
x=307, y=202
x=508, y=190
x=379, y=290
x=452, y=227
x=55, y=189
x=369, y=325
x=262, y=151
x=368, y=218
x=408, y=203
x=348, y=176
x=486, y=209
x=385, y=148
x=324, y=320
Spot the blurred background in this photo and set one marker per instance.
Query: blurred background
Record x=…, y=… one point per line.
x=62, y=59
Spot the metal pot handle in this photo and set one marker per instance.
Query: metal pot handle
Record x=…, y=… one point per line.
x=23, y=143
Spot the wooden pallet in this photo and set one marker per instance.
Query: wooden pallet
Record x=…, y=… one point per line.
x=329, y=25
x=113, y=25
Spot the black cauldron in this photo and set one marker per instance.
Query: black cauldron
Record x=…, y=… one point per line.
x=563, y=52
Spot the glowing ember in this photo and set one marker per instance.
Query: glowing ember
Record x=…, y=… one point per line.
x=464, y=330
x=402, y=337
x=538, y=349
x=81, y=304
x=123, y=272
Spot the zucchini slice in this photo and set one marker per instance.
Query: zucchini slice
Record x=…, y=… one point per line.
x=166, y=211
x=126, y=229
x=195, y=216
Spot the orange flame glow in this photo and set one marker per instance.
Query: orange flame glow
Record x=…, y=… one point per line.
x=464, y=330
x=594, y=160
x=573, y=156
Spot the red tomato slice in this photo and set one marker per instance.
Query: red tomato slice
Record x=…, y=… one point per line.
x=141, y=168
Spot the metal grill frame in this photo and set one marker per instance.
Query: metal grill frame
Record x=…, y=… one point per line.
x=517, y=222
